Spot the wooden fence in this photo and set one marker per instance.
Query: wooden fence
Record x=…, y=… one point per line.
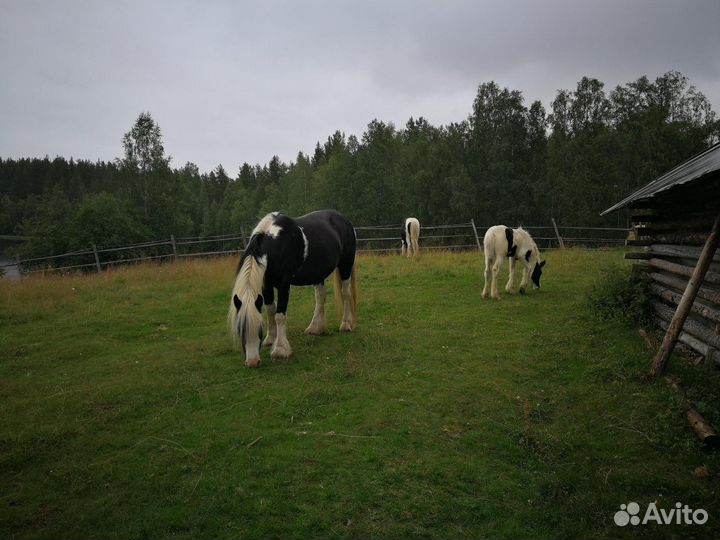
x=371, y=239
x=466, y=236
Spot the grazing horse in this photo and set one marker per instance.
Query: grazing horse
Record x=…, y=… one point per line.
x=409, y=237
x=283, y=251
x=517, y=245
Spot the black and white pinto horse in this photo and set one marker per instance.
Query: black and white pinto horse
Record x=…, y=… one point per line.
x=409, y=237
x=283, y=251
x=517, y=245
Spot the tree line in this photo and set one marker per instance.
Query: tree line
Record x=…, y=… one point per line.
x=506, y=163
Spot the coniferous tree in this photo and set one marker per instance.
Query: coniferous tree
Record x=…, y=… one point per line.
x=506, y=162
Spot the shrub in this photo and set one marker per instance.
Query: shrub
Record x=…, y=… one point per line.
x=619, y=294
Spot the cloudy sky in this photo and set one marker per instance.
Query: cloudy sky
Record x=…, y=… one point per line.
x=235, y=81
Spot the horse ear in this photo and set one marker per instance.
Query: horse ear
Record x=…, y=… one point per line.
x=542, y=264
x=259, y=303
x=237, y=302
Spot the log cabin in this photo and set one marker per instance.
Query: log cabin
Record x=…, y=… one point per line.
x=673, y=219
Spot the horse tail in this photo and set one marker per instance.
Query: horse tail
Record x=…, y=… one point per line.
x=416, y=236
x=248, y=285
x=337, y=288
x=353, y=293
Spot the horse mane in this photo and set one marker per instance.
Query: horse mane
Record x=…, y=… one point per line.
x=530, y=241
x=248, y=285
x=249, y=277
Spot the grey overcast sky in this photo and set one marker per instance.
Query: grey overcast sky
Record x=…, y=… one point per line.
x=235, y=81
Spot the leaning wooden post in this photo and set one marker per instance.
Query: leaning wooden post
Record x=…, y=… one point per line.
x=686, y=302
x=97, y=258
x=557, y=233
x=477, y=238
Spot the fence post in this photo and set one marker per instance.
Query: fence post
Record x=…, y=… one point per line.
x=477, y=238
x=557, y=233
x=172, y=241
x=97, y=258
x=244, y=238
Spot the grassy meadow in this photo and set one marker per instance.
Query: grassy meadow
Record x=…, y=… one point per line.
x=124, y=412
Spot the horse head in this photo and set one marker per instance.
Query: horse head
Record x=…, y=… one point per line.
x=537, y=274
x=248, y=328
x=245, y=319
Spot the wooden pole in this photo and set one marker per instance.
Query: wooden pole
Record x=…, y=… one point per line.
x=244, y=238
x=686, y=302
x=174, y=246
x=704, y=333
x=702, y=428
x=477, y=238
x=557, y=233
x=97, y=258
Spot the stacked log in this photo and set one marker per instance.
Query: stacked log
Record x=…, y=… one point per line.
x=670, y=231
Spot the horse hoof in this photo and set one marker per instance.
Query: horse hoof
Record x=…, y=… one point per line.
x=268, y=342
x=280, y=352
x=522, y=291
x=345, y=327
x=315, y=331
x=252, y=362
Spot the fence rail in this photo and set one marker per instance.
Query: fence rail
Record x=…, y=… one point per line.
x=371, y=239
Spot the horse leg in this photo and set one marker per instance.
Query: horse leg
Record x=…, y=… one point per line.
x=488, y=264
x=269, y=299
x=281, y=349
x=511, y=277
x=402, y=248
x=345, y=269
x=347, y=321
x=524, y=280
x=495, y=271
x=416, y=247
x=318, y=325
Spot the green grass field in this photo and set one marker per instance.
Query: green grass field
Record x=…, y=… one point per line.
x=125, y=413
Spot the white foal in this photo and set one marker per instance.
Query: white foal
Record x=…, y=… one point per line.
x=409, y=237
x=517, y=245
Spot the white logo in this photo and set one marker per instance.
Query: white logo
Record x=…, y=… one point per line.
x=629, y=514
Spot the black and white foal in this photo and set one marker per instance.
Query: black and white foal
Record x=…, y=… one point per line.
x=517, y=245
x=283, y=251
x=409, y=235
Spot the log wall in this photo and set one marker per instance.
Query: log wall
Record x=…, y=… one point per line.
x=669, y=231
